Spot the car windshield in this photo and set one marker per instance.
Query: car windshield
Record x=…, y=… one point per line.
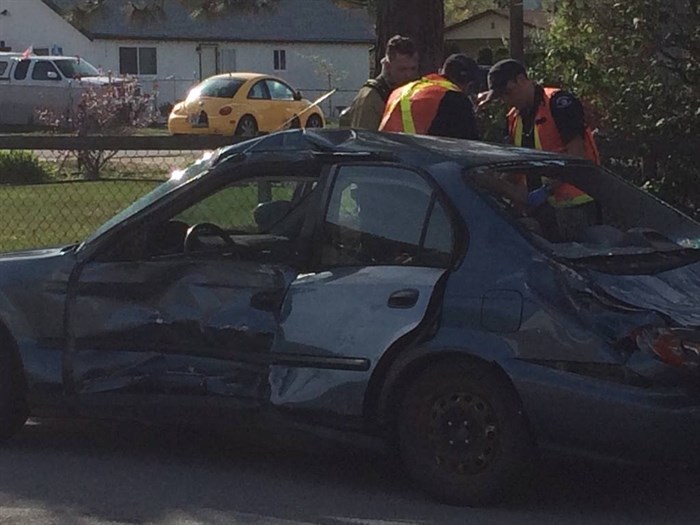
x=582, y=212
x=217, y=88
x=177, y=179
x=77, y=68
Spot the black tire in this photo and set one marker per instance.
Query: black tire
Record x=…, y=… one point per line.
x=462, y=435
x=314, y=121
x=13, y=400
x=247, y=127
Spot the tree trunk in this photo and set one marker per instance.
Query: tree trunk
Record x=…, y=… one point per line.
x=422, y=20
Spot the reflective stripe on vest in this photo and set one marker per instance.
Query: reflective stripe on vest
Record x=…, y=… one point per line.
x=404, y=99
x=565, y=195
x=546, y=134
x=518, y=134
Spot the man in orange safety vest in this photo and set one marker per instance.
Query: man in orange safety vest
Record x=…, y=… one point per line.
x=437, y=104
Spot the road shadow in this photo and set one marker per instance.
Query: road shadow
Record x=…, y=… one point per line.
x=132, y=473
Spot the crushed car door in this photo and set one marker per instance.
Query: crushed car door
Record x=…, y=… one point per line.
x=190, y=313
x=384, y=243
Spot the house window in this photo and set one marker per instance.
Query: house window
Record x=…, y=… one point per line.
x=138, y=61
x=280, y=59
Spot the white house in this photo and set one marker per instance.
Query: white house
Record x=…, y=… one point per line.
x=313, y=44
x=490, y=29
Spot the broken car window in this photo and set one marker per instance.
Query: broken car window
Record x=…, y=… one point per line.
x=582, y=210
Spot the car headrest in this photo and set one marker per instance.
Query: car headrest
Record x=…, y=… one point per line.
x=266, y=214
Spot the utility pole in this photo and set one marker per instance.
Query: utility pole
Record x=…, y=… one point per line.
x=517, y=37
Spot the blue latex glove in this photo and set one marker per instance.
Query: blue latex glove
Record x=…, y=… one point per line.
x=538, y=196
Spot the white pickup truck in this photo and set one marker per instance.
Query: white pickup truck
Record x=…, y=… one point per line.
x=33, y=83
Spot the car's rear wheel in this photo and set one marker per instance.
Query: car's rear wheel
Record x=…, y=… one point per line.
x=247, y=127
x=462, y=434
x=314, y=121
x=13, y=400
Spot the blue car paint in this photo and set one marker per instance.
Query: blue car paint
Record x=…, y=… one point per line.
x=504, y=301
x=309, y=326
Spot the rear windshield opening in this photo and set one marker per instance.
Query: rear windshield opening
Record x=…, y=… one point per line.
x=219, y=87
x=579, y=211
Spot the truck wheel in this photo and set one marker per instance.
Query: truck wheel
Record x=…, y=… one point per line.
x=463, y=436
x=13, y=401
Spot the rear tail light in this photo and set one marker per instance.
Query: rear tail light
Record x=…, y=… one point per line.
x=673, y=347
x=225, y=111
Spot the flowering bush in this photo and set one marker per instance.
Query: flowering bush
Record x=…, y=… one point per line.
x=111, y=109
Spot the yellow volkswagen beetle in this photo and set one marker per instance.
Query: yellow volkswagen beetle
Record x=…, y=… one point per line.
x=242, y=104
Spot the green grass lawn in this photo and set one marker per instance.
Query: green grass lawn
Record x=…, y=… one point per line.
x=232, y=208
x=54, y=214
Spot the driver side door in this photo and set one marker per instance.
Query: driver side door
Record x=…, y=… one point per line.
x=181, y=305
x=259, y=104
x=283, y=104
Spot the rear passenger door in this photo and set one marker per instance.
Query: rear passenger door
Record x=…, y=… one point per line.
x=384, y=242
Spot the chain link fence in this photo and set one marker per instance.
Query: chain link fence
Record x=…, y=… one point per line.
x=56, y=190
x=52, y=195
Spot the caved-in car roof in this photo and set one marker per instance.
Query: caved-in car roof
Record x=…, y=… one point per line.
x=418, y=150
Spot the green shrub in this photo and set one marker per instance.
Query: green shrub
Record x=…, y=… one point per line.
x=21, y=167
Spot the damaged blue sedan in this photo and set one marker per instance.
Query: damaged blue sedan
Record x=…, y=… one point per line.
x=382, y=283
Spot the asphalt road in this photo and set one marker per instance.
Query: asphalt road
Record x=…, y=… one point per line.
x=87, y=472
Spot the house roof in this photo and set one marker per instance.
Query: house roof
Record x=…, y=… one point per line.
x=535, y=18
x=275, y=21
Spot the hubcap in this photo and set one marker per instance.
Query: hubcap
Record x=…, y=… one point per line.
x=248, y=128
x=463, y=433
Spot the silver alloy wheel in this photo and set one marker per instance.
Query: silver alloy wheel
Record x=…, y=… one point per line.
x=247, y=127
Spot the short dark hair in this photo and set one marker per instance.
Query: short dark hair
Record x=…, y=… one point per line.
x=400, y=45
x=503, y=72
x=460, y=68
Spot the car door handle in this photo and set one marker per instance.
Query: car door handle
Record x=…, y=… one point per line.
x=406, y=298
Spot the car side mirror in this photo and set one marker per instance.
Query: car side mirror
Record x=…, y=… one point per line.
x=297, y=95
x=52, y=75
